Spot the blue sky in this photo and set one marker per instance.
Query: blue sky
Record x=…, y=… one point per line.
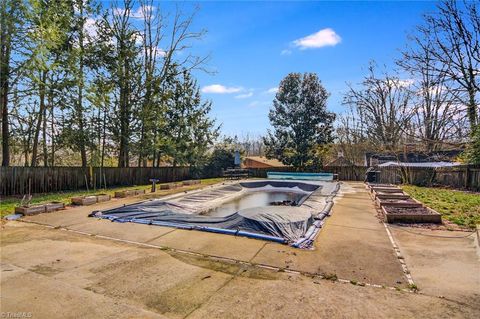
x=252, y=47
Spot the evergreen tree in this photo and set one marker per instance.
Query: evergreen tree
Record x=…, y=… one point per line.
x=78, y=63
x=301, y=122
x=190, y=130
x=48, y=24
x=11, y=23
x=122, y=62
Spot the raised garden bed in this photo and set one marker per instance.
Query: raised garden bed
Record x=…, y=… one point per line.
x=30, y=210
x=386, y=189
x=84, y=200
x=191, y=182
x=385, y=195
x=128, y=193
x=38, y=209
x=90, y=200
x=103, y=198
x=408, y=202
x=411, y=215
x=370, y=185
x=54, y=206
x=170, y=186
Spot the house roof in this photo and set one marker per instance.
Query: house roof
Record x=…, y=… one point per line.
x=423, y=164
x=415, y=157
x=340, y=161
x=266, y=161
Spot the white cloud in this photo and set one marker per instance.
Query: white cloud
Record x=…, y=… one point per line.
x=220, y=89
x=272, y=90
x=244, y=96
x=90, y=27
x=136, y=14
x=322, y=38
x=138, y=38
x=286, y=52
x=159, y=52
x=402, y=82
x=406, y=82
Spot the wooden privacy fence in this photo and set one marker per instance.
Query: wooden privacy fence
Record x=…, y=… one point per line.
x=18, y=180
x=21, y=180
x=460, y=177
x=345, y=173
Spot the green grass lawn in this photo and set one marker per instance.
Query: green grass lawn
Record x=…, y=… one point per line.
x=461, y=208
x=8, y=204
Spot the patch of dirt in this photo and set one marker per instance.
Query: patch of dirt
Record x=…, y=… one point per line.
x=45, y=270
x=407, y=210
x=400, y=201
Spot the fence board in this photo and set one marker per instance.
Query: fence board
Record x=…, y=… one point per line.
x=18, y=180
x=22, y=180
x=345, y=173
x=459, y=177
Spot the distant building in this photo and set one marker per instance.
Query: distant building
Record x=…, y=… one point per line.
x=443, y=158
x=340, y=161
x=261, y=162
x=422, y=164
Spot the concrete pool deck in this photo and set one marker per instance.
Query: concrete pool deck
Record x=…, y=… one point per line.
x=105, y=269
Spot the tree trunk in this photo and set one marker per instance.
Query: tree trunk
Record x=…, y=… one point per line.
x=80, y=119
x=472, y=111
x=41, y=95
x=5, y=49
x=81, y=126
x=104, y=135
x=123, y=160
x=44, y=137
x=52, y=128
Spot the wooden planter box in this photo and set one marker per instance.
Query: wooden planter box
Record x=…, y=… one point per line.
x=386, y=195
x=123, y=194
x=370, y=185
x=54, y=206
x=387, y=189
x=37, y=209
x=191, y=182
x=84, y=200
x=103, y=198
x=139, y=191
x=31, y=210
x=168, y=186
x=128, y=193
x=398, y=202
x=432, y=217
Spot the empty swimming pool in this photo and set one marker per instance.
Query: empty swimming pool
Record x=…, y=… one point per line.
x=283, y=211
x=254, y=199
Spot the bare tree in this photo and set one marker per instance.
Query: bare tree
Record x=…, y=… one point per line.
x=351, y=140
x=451, y=38
x=438, y=116
x=383, y=107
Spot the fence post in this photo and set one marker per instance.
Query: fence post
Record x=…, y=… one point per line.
x=466, y=177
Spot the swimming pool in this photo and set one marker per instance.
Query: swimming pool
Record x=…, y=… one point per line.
x=290, y=212
x=301, y=176
x=256, y=199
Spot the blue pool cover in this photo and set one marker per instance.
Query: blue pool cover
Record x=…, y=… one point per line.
x=301, y=176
